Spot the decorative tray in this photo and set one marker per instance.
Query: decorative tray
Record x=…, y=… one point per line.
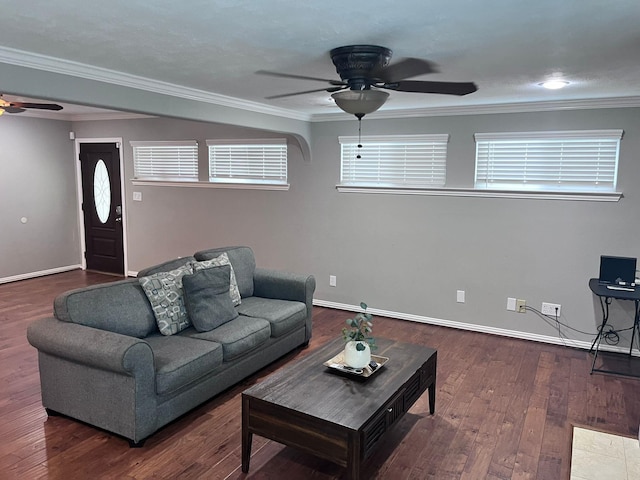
x=337, y=364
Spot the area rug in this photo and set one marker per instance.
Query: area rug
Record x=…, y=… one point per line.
x=599, y=456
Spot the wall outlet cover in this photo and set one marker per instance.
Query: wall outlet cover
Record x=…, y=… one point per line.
x=552, y=309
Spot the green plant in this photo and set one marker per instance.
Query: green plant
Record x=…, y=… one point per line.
x=359, y=329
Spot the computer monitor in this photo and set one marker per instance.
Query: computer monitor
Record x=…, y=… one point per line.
x=617, y=270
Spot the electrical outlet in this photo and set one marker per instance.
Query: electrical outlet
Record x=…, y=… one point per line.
x=521, y=306
x=332, y=280
x=460, y=296
x=552, y=309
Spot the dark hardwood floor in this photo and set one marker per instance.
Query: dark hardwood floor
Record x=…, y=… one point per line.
x=504, y=409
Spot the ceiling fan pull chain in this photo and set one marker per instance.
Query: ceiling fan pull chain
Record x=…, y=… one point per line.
x=359, y=136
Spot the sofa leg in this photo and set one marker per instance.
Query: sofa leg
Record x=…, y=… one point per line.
x=52, y=413
x=139, y=444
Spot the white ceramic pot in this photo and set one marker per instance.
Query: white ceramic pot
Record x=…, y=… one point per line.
x=357, y=358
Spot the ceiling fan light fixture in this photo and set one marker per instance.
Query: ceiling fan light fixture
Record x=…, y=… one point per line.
x=554, y=84
x=360, y=102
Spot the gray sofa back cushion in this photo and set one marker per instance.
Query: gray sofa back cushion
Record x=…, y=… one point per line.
x=120, y=307
x=165, y=266
x=243, y=263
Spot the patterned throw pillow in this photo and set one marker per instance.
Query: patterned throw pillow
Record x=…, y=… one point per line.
x=164, y=291
x=218, y=262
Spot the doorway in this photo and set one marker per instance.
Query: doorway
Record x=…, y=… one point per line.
x=102, y=206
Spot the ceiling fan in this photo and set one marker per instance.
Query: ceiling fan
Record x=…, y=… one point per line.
x=365, y=73
x=19, y=107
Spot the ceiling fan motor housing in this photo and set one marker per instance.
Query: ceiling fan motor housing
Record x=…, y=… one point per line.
x=357, y=64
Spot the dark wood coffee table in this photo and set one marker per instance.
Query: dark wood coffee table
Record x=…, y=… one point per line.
x=336, y=416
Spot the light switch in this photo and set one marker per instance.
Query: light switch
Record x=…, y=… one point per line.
x=137, y=196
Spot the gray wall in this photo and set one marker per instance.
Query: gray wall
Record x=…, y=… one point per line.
x=177, y=221
x=37, y=181
x=403, y=255
x=410, y=254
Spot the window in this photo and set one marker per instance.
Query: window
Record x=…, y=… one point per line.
x=260, y=161
x=394, y=161
x=172, y=160
x=569, y=161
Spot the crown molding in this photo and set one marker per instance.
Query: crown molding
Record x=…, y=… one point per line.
x=84, y=117
x=68, y=67
x=77, y=117
x=518, y=107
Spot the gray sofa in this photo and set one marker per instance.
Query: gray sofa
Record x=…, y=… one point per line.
x=103, y=361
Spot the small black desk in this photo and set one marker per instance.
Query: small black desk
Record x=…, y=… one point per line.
x=606, y=295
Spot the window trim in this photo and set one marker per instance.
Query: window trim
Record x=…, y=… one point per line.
x=552, y=136
x=485, y=193
x=249, y=183
x=350, y=187
x=199, y=184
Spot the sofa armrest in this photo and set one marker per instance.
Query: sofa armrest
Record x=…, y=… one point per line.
x=92, y=347
x=283, y=285
x=286, y=286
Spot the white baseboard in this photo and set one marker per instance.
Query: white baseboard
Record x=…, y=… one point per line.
x=475, y=328
x=41, y=273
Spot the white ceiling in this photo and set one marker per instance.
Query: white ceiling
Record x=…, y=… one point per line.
x=507, y=47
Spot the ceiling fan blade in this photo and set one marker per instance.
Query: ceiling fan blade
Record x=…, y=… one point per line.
x=12, y=109
x=330, y=90
x=405, y=68
x=299, y=77
x=41, y=106
x=418, y=86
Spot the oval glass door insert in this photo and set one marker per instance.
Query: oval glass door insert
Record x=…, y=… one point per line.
x=102, y=191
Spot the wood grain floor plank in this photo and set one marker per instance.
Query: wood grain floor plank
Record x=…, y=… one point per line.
x=505, y=409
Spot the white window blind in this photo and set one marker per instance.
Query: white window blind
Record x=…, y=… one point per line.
x=572, y=161
x=248, y=161
x=405, y=161
x=170, y=160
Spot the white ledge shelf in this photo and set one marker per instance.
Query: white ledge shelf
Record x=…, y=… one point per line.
x=236, y=186
x=471, y=192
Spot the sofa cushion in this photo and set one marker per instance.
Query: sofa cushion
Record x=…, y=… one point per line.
x=120, y=307
x=166, y=266
x=164, y=291
x=283, y=315
x=218, y=261
x=243, y=262
x=206, y=296
x=239, y=336
x=179, y=360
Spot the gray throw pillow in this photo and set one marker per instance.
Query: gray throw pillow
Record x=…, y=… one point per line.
x=206, y=295
x=222, y=259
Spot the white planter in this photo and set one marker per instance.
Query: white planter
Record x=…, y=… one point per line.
x=355, y=358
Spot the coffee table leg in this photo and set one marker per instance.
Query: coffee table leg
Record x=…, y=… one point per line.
x=432, y=398
x=353, y=457
x=247, y=436
x=246, y=449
